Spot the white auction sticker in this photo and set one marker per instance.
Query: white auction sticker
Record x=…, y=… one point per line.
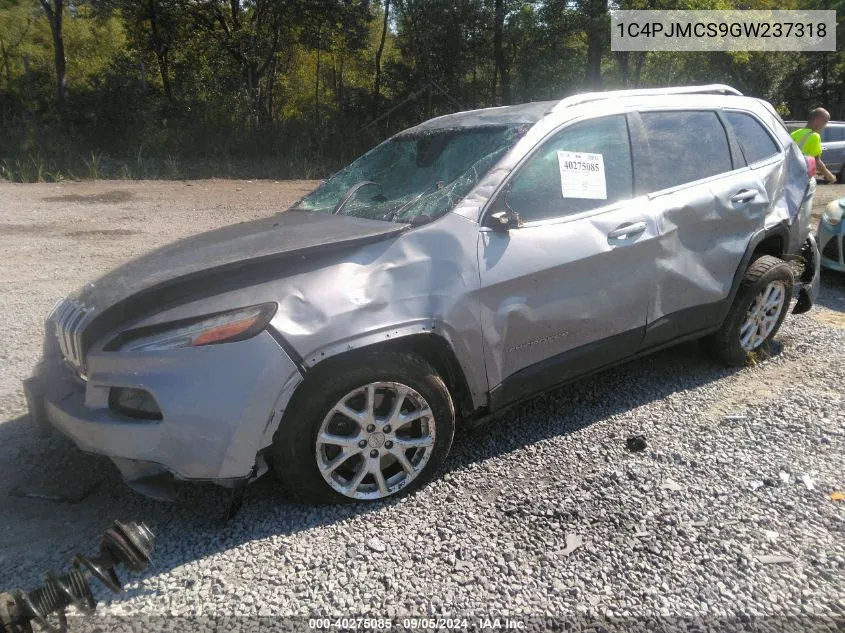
x=582, y=175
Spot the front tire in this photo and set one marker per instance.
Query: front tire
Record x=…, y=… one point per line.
x=364, y=429
x=757, y=312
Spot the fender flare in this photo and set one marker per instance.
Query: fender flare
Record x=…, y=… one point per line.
x=455, y=360
x=780, y=230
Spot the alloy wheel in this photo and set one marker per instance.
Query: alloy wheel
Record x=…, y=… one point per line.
x=762, y=316
x=375, y=440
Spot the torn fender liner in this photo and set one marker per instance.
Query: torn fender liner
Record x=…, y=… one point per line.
x=208, y=261
x=809, y=291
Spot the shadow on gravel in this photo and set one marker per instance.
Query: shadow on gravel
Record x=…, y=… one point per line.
x=610, y=393
x=832, y=291
x=108, y=197
x=196, y=528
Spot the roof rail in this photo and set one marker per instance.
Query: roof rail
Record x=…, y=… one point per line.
x=713, y=89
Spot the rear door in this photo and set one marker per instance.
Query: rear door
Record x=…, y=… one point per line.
x=707, y=203
x=775, y=168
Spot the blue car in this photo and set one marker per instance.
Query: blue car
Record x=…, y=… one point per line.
x=831, y=236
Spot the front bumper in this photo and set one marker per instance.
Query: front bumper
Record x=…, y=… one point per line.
x=220, y=406
x=832, y=245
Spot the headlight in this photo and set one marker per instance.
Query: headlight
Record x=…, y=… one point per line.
x=223, y=327
x=833, y=212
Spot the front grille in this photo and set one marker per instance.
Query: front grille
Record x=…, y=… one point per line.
x=832, y=249
x=68, y=318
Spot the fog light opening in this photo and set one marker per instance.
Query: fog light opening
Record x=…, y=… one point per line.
x=134, y=403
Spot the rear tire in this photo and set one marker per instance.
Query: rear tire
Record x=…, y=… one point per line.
x=364, y=428
x=758, y=310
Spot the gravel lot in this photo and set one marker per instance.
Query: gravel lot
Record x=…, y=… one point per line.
x=543, y=511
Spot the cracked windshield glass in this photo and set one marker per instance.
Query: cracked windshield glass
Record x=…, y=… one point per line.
x=413, y=177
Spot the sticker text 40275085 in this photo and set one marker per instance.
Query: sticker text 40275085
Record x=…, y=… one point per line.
x=582, y=175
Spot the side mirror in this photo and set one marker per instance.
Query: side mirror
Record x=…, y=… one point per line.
x=503, y=220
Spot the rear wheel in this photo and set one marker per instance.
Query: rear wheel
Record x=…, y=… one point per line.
x=364, y=429
x=758, y=310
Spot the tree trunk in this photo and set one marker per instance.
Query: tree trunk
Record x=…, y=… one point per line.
x=624, y=60
x=54, y=10
x=638, y=68
x=340, y=80
x=474, y=78
x=499, y=52
x=379, y=52
x=27, y=86
x=164, y=67
x=317, y=87
x=825, y=79
x=6, y=66
x=255, y=96
x=596, y=27
x=160, y=51
x=595, y=48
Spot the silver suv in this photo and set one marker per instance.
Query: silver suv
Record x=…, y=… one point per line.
x=459, y=267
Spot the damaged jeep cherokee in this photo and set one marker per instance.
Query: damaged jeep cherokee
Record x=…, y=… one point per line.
x=459, y=267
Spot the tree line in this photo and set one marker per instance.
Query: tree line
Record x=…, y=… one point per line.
x=295, y=88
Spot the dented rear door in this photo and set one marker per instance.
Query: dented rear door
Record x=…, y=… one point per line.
x=708, y=204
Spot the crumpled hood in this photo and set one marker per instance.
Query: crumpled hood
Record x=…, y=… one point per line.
x=228, y=248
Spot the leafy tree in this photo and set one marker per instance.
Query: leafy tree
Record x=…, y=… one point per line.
x=295, y=87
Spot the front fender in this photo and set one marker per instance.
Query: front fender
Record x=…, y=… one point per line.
x=424, y=281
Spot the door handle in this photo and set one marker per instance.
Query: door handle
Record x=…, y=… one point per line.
x=746, y=195
x=627, y=231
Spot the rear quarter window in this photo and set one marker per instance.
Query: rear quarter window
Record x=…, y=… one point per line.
x=754, y=141
x=683, y=147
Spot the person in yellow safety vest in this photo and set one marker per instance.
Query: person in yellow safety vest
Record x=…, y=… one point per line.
x=809, y=140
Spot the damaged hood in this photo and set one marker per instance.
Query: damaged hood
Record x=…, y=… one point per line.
x=227, y=250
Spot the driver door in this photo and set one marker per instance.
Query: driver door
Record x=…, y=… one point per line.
x=569, y=290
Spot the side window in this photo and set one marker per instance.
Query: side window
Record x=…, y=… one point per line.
x=755, y=142
x=584, y=166
x=830, y=134
x=683, y=147
x=834, y=133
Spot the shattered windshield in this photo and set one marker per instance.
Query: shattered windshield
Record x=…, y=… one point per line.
x=418, y=176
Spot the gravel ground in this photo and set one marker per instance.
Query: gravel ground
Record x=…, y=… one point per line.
x=543, y=511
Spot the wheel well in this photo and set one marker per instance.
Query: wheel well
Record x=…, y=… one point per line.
x=771, y=245
x=434, y=350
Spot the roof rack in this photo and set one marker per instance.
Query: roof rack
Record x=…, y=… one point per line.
x=712, y=89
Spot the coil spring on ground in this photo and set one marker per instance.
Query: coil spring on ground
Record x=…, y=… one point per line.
x=127, y=544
